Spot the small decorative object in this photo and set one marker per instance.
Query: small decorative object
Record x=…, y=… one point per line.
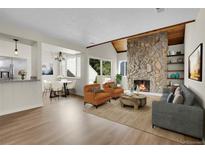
x=177, y=75
x=137, y=89
x=171, y=52
x=118, y=78
x=22, y=73
x=174, y=60
x=132, y=90
x=180, y=60
x=195, y=63
x=178, y=52
x=173, y=76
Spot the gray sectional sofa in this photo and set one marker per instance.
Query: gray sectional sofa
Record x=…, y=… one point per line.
x=187, y=118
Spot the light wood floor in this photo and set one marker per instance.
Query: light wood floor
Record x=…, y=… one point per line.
x=62, y=121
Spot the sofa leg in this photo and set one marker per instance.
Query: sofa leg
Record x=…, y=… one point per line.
x=109, y=100
x=96, y=106
x=84, y=103
x=153, y=126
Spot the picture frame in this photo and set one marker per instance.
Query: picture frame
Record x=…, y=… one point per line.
x=195, y=60
x=47, y=69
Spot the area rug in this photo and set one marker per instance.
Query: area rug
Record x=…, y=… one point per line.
x=138, y=119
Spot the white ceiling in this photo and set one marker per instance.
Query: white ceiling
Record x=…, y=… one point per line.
x=87, y=26
x=57, y=49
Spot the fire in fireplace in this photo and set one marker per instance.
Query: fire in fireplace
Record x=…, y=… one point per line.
x=142, y=85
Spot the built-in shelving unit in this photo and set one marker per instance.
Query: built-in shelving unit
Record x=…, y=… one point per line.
x=176, y=78
x=175, y=55
x=175, y=63
x=175, y=70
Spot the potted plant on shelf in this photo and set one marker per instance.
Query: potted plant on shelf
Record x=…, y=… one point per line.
x=22, y=73
x=118, y=78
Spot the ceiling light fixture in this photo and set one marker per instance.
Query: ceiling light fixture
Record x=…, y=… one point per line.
x=60, y=57
x=16, y=50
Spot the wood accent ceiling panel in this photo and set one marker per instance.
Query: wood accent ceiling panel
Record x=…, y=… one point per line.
x=175, y=36
x=120, y=45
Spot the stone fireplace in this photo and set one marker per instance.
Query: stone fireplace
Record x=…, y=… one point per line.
x=147, y=60
x=142, y=85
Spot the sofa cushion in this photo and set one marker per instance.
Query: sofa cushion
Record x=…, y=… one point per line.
x=170, y=98
x=117, y=90
x=178, y=99
x=188, y=95
x=101, y=96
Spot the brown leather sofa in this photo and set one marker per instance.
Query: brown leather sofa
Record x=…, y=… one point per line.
x=115, y=92
x=95, y=98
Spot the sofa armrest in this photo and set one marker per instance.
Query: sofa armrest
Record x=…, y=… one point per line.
x=178, y=117
x=89, y=96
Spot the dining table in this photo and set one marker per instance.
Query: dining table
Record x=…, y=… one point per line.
x=66, y=91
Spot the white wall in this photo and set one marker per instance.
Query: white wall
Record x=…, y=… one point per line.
x=7, y=49
x=49, y=53
x=122, y=57
x=104, y=51
x=194, y=35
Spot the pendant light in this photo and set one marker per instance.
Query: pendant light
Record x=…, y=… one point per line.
x=60, y=57
x=16, y=50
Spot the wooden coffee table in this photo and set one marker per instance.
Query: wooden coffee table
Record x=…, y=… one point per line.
x=135, y=100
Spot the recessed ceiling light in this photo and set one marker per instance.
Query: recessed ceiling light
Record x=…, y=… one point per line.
x=159, y=10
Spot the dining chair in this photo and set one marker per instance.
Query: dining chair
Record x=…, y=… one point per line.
x=56, y=89
x=46, y=87
x=71, y=86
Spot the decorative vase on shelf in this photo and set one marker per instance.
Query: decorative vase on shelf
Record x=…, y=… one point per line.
x=22, y=73
x=177, y=75
x=22, y=77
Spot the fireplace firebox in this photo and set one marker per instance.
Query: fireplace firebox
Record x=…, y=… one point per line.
x=142, y=85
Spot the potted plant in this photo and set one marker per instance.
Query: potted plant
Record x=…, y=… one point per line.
x=22, y=73
x=118, y=78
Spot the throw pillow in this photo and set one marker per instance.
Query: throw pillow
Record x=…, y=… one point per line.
x=95, y=89
x=113, y=85
x=178, y=99
x=173, y=88
x=178, y=91
x=170, y=98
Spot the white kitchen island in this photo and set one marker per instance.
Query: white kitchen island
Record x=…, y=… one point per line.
x=19, y=95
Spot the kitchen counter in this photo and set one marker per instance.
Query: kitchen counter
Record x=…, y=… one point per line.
x=18, y=80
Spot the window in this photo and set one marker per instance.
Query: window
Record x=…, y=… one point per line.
x=98, y=70
x=73, y=66
x=123, y=68
x=95, y=64
x=106, y=68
